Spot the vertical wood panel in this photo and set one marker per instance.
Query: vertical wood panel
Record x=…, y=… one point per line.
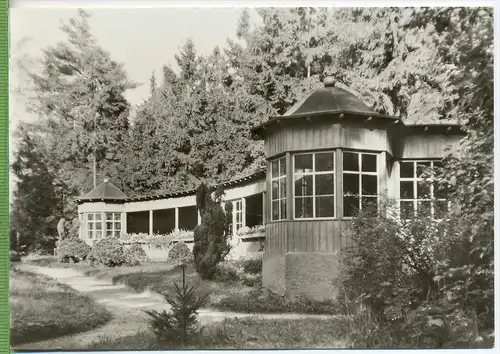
x=336, y=237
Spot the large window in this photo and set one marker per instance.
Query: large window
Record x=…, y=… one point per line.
x=314, y=185
x=418, y=196
x=360, y=182
x=113, y=224
x=278, y=190
x=94, y=225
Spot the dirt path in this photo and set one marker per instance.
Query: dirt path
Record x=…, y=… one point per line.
x=126, y=307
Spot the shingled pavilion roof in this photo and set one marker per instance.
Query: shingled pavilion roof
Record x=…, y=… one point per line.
x=106, y=191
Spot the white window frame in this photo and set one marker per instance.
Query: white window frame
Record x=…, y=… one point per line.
x=360, y=173
x=114, y=231
x=91, y=233
x=278, y=179
x=238, y=212
x=314, y=173
x=415, y=179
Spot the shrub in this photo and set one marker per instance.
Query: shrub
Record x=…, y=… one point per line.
x=253, y=266
x=180, y=254
x=180, y=326
x=135, y=255
x=108, y=252
x=211, y=236
x=73, y=249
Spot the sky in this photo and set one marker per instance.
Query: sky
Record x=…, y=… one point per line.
x=143, y=39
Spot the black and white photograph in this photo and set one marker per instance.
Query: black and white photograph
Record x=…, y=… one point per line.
x=251, y=177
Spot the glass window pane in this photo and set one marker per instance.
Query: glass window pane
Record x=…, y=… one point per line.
x=324, y=184
x=424, y=208
x=303, y=163
x=351, y=161
x=283, y=166
x=274, y=190
x=351, y=184
x=90, y=216
x=423, y=190
x=274, y=169
x=440, y=209
x=406, y=190
x=369, y=205
x=109, y=226
x=304, y=207
x=325, y=207
x=282, y=187
x=351, y=206
x=98, y=225
x=422, y=166
x=98, y=234
x=117, y=233
x=369, y=185
x=304, y=185
x=118, y=216
x=91, y=234
x=109, y=216
x=407, y=210
x=369, y=163
x=109, y=233
x=118, y=225
x=406, y=169
x=283, y=209
x=98, y=216
x=90, y=226
x=275, y=210
x=324, y=161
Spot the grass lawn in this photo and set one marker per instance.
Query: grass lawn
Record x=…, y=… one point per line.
x=224, y=296
x=227, y=295
x=248, y=333
x=42, y=308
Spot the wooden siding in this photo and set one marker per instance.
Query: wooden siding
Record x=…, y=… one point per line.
x=323, y=236
x=326, y=136
x=427, y=146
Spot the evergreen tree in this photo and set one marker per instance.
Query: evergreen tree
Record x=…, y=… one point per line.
x=35, y=209
x=80, y=98
x=211, y=236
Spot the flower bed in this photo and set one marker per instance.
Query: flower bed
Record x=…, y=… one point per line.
x=249, y=232
x=157, y=239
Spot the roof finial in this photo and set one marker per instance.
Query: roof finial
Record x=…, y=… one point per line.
x=106, y=180
x=329, y=81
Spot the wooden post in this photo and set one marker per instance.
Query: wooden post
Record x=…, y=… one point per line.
x=243, y=212
x=176, y=218
x=151, y=222
x=264, y=211
x=199, y=217
x=339, y=198
x=289, y=186
x=124, y=223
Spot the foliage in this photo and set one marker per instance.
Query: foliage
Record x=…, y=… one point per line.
x=135, y=255
x=34, y=199
x=108, y=252
x=73, y=249
x=253, y=266
x=258, y=229
x=181, y=325
x=399, y=270
x=211, y=236
x=42, y=309
x=180, y=254
x=158, y=239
